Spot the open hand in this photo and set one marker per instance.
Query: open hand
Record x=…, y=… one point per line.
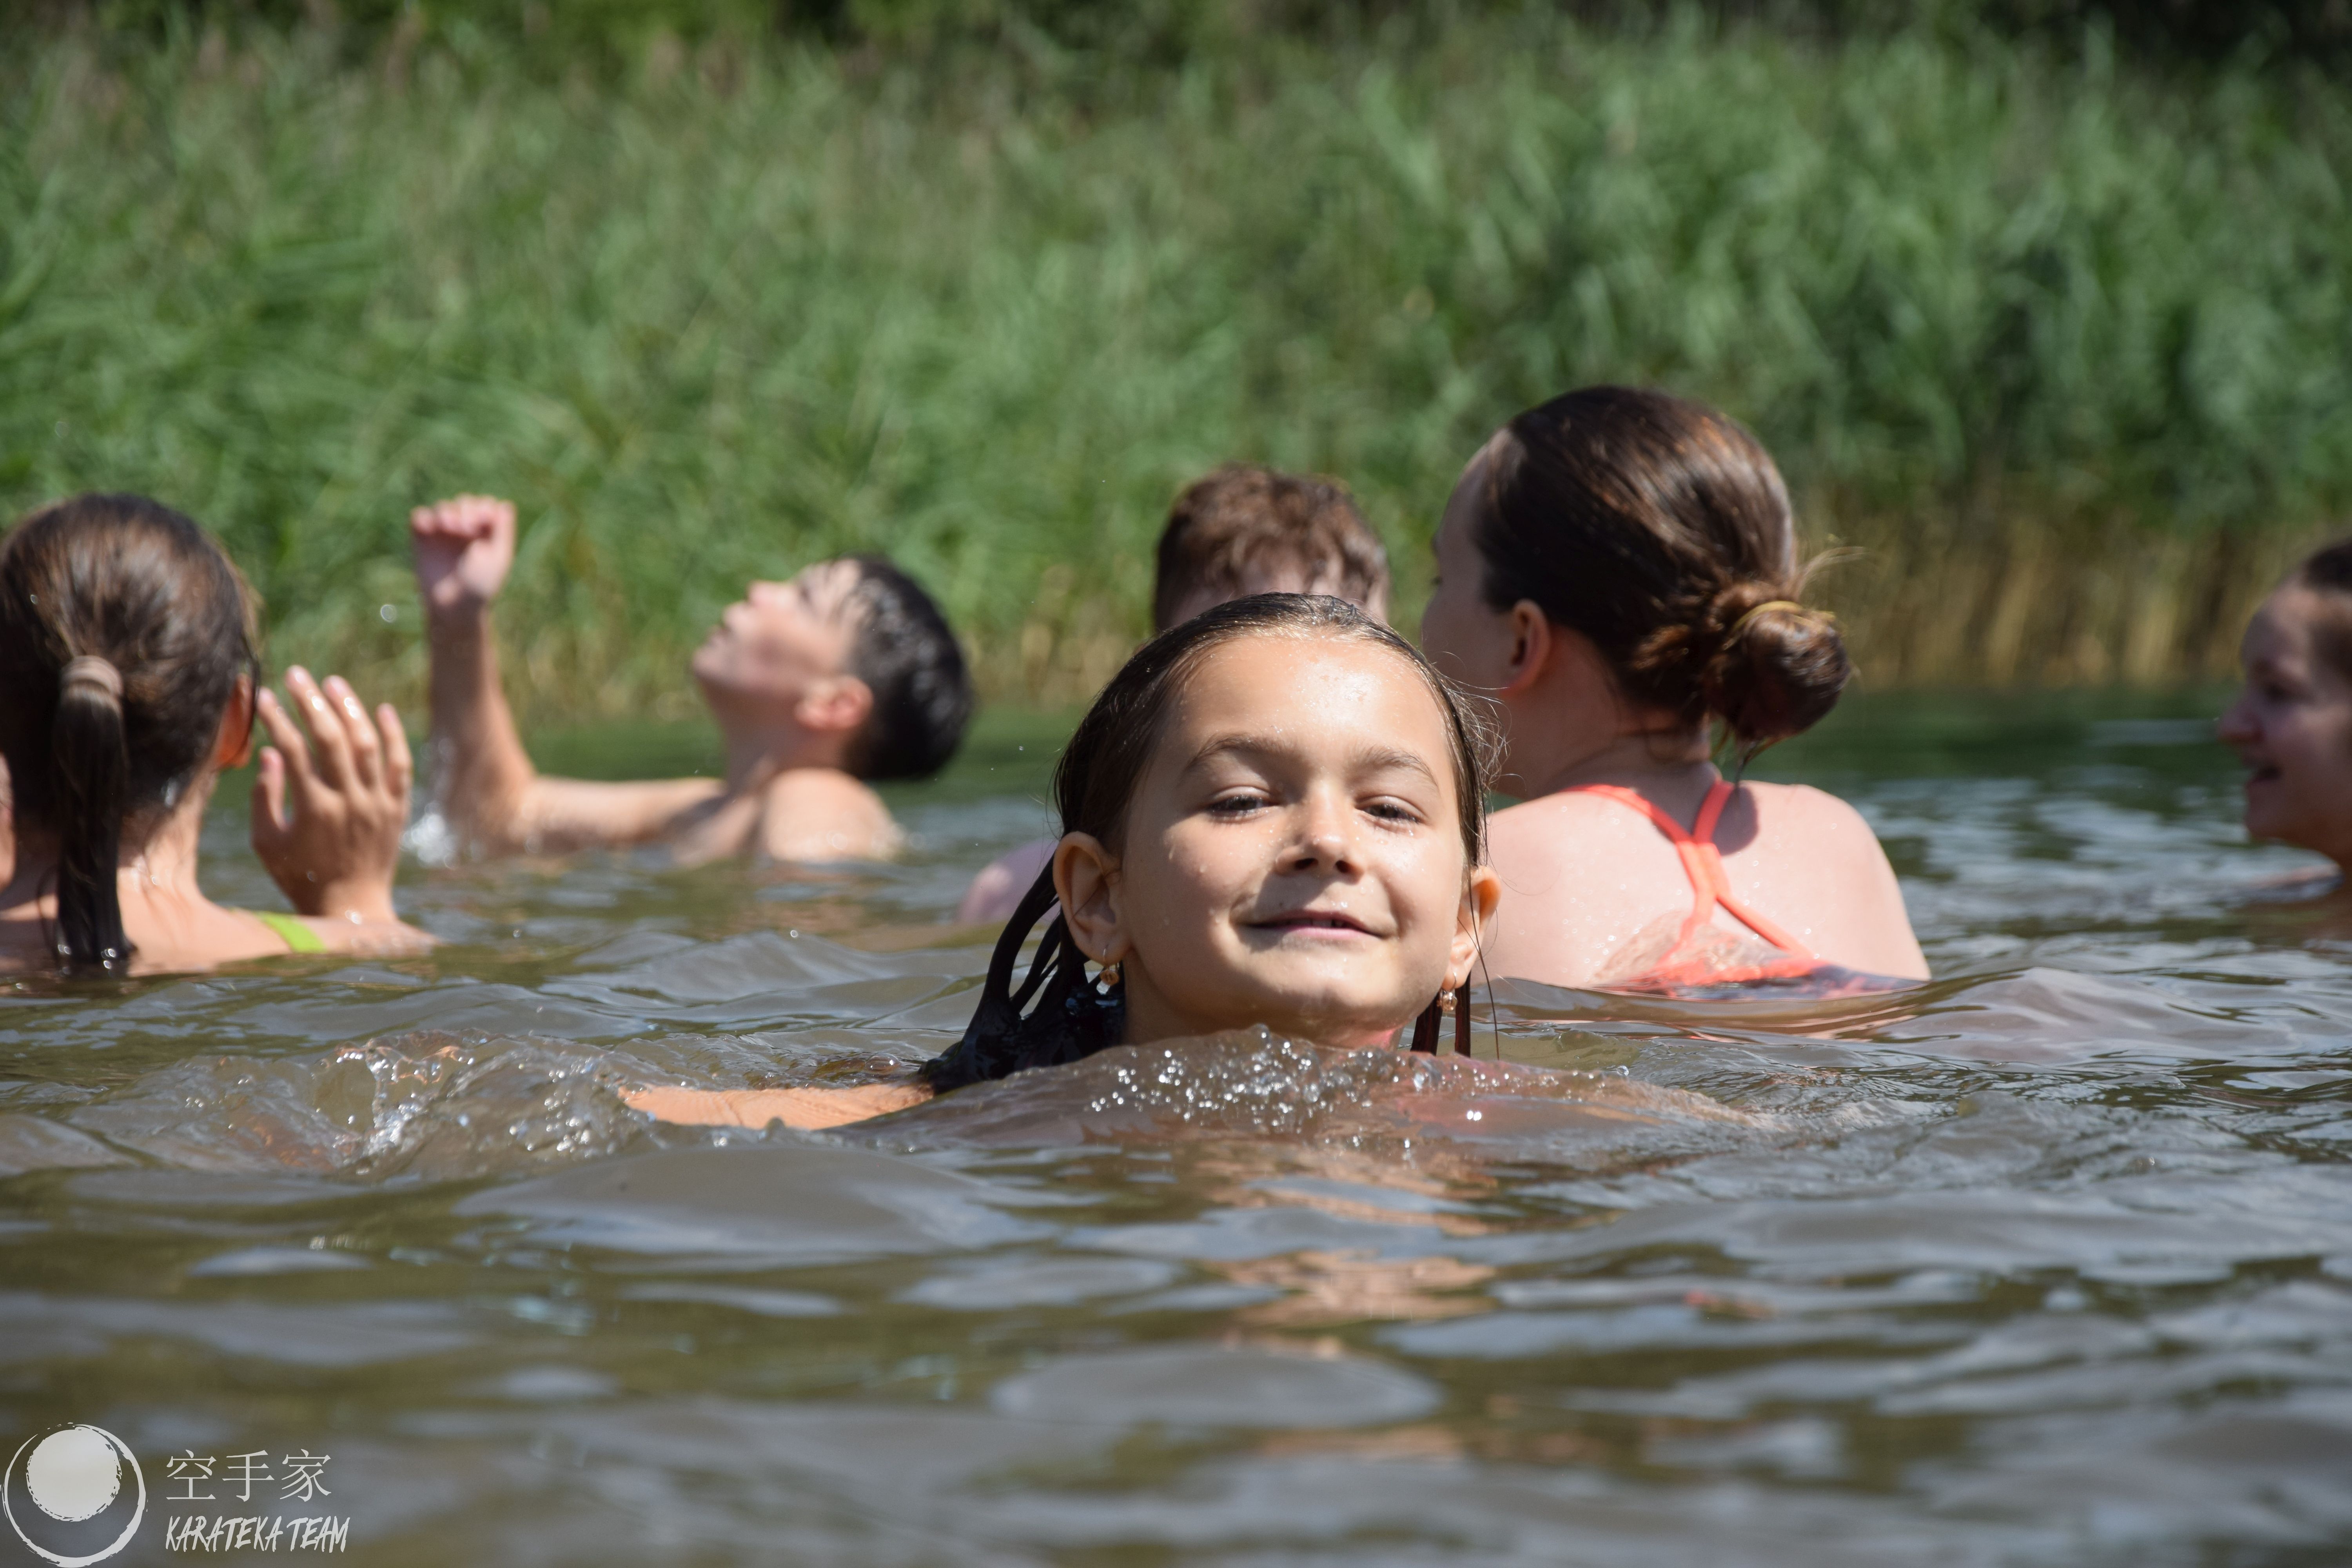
x=327, y=822
x=464, y=547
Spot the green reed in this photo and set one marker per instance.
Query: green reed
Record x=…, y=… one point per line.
x=2066, y=345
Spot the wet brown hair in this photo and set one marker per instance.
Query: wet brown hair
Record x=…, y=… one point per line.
x=1660, y=530
x=2328, y=570
x=1242, y=518
x=907, y=655
x=1095, y=784
x=123, y=630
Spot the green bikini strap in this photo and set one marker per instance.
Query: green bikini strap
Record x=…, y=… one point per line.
x=292, y=929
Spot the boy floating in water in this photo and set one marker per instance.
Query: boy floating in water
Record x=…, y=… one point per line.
x=1241, y=531
x=844, y=675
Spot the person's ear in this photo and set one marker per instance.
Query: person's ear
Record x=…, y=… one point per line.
x=1481, y=892
x=837, y=705
x=233, y=748
x=1531, y=648
x=1085, y=880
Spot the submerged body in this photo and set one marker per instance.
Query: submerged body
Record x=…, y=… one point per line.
x=1275, y=817
x=1616, y=569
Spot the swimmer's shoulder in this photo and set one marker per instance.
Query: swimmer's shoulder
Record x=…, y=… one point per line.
x=1548, y=820
x=1802, y=817
x=997, y=891
x=824, y=814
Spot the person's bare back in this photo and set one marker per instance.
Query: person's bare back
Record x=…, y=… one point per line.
x=1594, y=894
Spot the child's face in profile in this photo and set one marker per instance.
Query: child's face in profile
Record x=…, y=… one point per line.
x=782, y=639
x=1293, y=853
x=2292, y=726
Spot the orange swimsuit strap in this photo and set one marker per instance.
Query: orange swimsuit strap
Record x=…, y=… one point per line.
x=1703, y=864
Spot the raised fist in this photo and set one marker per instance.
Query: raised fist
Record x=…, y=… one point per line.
x=464, y=547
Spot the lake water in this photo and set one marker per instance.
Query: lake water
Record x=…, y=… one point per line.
x=2050, y=1261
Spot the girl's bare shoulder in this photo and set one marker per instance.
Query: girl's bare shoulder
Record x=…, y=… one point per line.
x=1813, y=815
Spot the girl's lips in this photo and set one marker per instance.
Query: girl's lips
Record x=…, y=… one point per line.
x=1337, y=921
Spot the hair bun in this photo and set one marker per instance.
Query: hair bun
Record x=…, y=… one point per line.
x=1776, y=667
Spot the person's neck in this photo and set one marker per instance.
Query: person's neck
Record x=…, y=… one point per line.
x=158, y=870
x=1151, y=1015
x=757, y=757
x=1641, y=759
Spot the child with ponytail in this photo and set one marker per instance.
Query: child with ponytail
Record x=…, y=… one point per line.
x=1618, y=568
x=1274, y=815
x=128, y=681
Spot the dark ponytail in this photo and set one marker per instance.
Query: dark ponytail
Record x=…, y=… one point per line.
x=1073, y=1016
x=86, y=739
x=123, y=632
x=1660, y=530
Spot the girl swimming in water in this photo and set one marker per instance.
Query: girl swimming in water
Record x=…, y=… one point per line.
x=2291, y=723
x=128, y=681
x=1619, y=569
x=1274, y=815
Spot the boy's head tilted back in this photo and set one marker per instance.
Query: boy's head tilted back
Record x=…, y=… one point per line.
x=1245, y=529
x=1275, y=814
x=124, y=634
x=852, y=646
x=2291, y=722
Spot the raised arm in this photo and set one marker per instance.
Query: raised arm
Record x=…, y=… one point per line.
x=496, y=801
x=328, y=813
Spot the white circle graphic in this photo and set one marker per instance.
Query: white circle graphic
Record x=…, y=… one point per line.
x=73, y=1473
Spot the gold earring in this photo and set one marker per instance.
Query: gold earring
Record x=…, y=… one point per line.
x=1109, y=978
x=1445, y=1001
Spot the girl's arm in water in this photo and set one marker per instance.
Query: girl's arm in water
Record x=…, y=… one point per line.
x=802, y=1108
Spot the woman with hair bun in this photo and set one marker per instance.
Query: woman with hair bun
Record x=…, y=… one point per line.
x=1618, y=569
x=128, y=681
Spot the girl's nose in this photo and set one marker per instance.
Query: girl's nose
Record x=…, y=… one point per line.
x=1325, y=835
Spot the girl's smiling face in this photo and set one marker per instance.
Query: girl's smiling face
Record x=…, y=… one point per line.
x=2292, y=726
x=1293, y=854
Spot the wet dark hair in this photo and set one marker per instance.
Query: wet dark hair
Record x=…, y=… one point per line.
x=2328, y=570
x=1243, y=517
x=123, y=630
x=1660, y=530
x=908, y=659
x=1094, y=784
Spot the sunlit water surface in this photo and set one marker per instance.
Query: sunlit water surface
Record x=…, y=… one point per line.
x=2047, y=1262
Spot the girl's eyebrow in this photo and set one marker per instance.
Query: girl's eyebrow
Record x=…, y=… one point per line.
x=1370, y=758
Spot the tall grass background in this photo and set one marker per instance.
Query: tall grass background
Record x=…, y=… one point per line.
x=2060, y=344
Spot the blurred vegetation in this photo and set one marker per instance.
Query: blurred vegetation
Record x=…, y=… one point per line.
x=2054, y=326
